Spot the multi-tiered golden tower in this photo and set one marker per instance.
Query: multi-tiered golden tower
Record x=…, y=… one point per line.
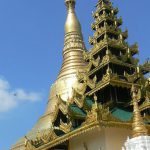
x=90, y=103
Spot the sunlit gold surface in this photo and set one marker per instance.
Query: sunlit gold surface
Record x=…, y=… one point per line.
x=73, y=61
x=139, y=129
x=72, y=23
x=67, y=92
x=67, y=79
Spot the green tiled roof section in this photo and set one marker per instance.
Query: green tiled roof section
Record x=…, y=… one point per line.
x=76, y=111
x=89, y=102
x=121, y=114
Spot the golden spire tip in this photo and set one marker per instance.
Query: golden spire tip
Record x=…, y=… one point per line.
x=70, y=1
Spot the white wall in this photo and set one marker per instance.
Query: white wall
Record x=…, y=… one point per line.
x=115, y=138
x=102, y=139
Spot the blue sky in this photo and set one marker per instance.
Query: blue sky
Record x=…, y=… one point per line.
x=31, y=43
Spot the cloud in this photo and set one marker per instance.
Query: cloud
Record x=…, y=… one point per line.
x=11, y=98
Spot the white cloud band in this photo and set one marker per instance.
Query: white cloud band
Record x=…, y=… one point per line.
x=10, y=98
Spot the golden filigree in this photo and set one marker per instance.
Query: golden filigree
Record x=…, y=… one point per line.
x=65, y=127
x=96, y=62
x=81, y=76
x=97, y=113
x=91, y=82
x=62, y=105
x=79, y=98
x=43, y=137
x=108, y=75
x=89, y=66
x=105, y=59
x=135, y=76
x=128, y=57
x=146, y=95
x=64, y=108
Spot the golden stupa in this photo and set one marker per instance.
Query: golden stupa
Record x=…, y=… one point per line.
x=73, y=63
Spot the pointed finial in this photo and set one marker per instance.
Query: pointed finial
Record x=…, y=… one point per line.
x=70, y=4
x=138, y=126
x=72, y=23
x=68, y=1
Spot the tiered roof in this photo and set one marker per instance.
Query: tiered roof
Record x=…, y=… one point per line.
x=102, y=97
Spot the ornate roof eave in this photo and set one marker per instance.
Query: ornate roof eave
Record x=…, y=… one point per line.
x=105, y=30
x=105, y=17
x=84, y=129
x=115, y=44
x=109, y=81
x=104, y=7
x=98, y=117
x=78, y=98
x=68, y=136
x=81, y=100
x=63, y=107
x=65, y=127
x=41, y=139
x=109, y=59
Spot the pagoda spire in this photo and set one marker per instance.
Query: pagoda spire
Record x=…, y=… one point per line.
x=73, y=61
x=73, y=43
x=138, y=126
x=72, y=23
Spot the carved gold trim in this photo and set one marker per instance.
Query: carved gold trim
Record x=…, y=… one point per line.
x=78, y=99
x=42, y=138
x=115, y=43
x=65, y=127
x=112, y=80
